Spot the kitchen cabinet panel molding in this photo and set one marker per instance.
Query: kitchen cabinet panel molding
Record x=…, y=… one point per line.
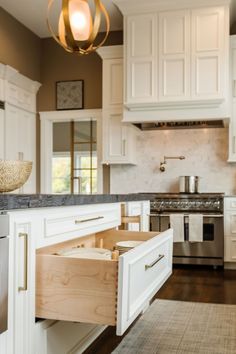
x=119, y=139
x=176, y=61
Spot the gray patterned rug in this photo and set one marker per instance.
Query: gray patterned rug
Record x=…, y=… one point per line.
x=178, y=327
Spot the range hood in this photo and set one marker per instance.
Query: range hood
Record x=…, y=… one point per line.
x=182, y=125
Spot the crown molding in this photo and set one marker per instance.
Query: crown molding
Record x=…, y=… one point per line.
x=13, y=76
x=139, y=6
x=111, y=52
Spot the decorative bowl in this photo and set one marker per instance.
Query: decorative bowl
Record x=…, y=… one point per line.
x=13, y=174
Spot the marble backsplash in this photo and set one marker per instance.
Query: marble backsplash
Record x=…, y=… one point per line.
x=206, y=152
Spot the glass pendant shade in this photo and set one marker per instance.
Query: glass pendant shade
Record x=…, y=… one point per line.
x=77, y=30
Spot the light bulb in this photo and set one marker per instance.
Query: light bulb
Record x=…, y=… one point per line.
x=80, y=19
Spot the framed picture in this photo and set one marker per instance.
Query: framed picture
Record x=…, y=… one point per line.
x=70, y=94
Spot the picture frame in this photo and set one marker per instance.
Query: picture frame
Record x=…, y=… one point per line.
x=69, y=95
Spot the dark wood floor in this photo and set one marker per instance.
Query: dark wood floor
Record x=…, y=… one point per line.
x=198, y=284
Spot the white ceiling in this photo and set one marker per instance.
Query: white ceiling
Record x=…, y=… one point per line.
x=32, y=13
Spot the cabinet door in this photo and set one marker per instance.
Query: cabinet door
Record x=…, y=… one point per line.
x=141, y=46
x=27, y=146
x=13, y=130
x=208, y=50
x=230, y=224
x=116, y=140
x=1, y=134
x=174, y=56
x=20, y=140
x=24, y=287
x=113, y=83
x=230, y=249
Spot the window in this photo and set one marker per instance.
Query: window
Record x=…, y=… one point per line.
x=74, y=165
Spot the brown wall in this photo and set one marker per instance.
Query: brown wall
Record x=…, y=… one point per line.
x=20, y=48
x=58, y=65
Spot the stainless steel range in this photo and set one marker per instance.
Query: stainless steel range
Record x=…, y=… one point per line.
x=208, y=252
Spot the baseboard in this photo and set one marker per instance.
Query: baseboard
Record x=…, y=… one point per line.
x=230, y=265
x=88, y=340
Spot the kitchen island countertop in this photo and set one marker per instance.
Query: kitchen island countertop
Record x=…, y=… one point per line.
x=26, y=201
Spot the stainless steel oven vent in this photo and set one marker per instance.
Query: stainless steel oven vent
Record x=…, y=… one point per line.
x=181, y=125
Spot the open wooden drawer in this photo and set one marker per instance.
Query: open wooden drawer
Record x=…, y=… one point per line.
x=109, y=292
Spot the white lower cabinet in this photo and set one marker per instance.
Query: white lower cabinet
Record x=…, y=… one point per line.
x=74, y=299
x=230, y=229
x=73, y=289
x=61, y=337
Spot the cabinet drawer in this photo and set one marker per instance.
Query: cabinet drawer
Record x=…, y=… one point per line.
x=78, y=221
x=108, y=292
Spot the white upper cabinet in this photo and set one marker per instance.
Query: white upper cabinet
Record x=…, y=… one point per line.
x=208, y=49
x=141, y=59
x=18, y=120
x=119, y=139
x=176, y=59
x=174, y=55
x=232, y=85
x=113, y=89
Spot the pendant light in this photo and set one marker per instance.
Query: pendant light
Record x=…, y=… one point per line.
x=77, y=29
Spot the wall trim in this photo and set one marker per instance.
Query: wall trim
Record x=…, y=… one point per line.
x=46, y=143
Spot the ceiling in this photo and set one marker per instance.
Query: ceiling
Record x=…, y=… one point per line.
x=34, y=17
x=32, y=13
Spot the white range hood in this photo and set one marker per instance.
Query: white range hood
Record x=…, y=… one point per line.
x=176, y=60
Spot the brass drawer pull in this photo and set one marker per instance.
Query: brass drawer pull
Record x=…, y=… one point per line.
x=86, y=220
x=148, y=266
x=25, y=286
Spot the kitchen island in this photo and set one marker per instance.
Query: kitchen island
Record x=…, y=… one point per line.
x=75, y=299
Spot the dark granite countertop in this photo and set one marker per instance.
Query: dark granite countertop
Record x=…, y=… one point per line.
x=26, y=201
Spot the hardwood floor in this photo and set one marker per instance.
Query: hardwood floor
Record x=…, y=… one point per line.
x=200, y=284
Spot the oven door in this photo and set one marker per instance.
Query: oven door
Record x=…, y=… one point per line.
x=210, y=251
x=4, y=252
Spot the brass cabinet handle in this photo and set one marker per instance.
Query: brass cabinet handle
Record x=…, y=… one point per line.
x=86, y=220
x=25, y=286
x=151, y=265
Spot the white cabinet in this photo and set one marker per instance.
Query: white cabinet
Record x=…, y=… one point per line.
x=230, y=229
x=141, y=62
x=24, y=292
x=232, y=84
x=113, y=82
x=20, y=140
x=1, y=133
x=18, y=120
x=174, y=55
x=119, y=139
x=208, y=50
x=176, y=61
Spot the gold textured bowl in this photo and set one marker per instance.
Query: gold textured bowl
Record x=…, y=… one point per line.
x=13, y=174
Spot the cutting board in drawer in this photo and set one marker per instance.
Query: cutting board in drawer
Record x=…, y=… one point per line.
x=108, y=292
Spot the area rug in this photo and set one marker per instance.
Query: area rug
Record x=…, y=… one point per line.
x=178, y=327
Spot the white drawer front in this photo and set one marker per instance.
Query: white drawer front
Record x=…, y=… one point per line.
x=142, y=272
x=79, y=221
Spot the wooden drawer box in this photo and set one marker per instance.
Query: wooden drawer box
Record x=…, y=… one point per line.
x=108, y=292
